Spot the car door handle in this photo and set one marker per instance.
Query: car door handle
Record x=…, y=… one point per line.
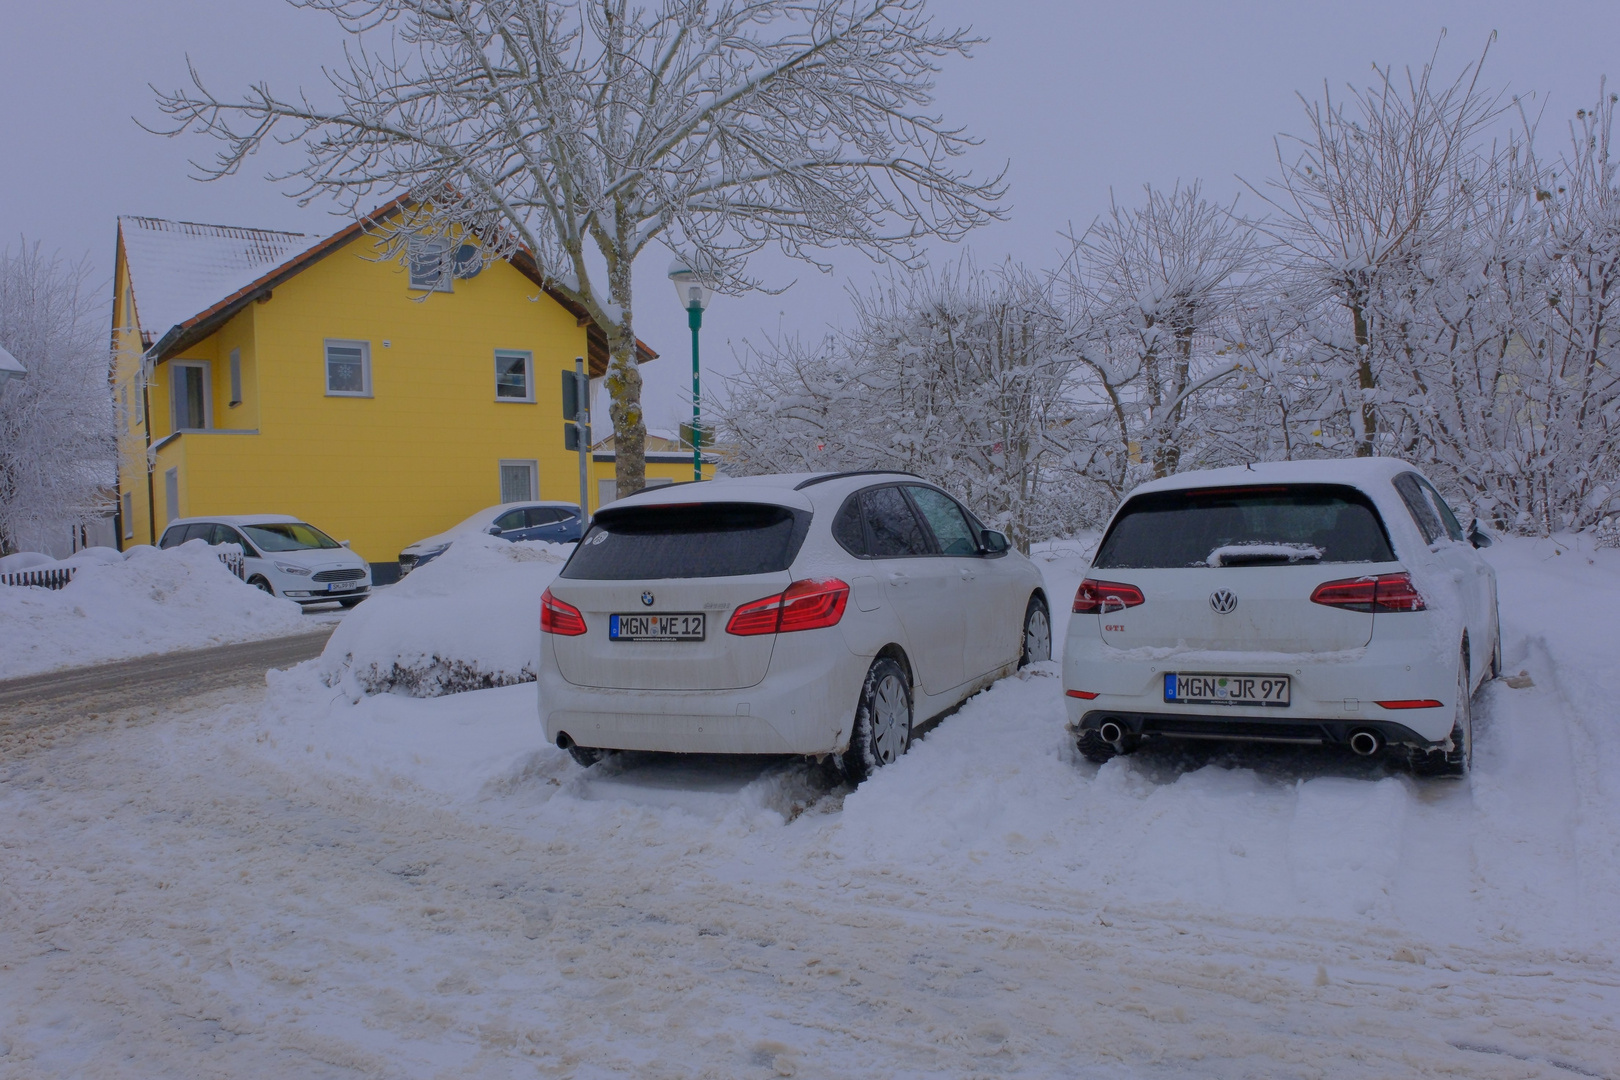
x=967, y=575
x=898, y=579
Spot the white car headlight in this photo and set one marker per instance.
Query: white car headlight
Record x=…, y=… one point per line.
x=289, y=568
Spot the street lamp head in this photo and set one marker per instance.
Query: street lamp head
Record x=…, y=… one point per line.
x=690, y=284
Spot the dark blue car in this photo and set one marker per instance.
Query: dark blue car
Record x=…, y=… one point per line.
x=555, y=522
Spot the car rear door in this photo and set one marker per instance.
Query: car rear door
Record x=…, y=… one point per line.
x=983, y=599
x=923, y=588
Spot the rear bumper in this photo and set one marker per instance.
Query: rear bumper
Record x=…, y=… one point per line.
x=797, y=708
x=1292, y=729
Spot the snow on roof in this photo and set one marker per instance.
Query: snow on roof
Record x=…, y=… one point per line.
x=180, y=268
x=1352, y=471
x=11, y=364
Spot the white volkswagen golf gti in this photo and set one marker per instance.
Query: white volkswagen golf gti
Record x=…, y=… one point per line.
x=820, y=614
x=1323, y=602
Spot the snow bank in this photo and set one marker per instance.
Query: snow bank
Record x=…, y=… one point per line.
x=468, y=620
x=151, y=602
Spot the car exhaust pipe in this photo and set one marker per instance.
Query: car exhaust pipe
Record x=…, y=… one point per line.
x=1365, y=742
x=1111, y=732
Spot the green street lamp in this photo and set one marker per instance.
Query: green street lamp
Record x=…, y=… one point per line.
x=694, y=294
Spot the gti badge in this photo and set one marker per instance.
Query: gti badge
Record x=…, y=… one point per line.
x=647, y=598
x=1223, y=601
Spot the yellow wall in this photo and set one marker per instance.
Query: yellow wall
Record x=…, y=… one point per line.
x=422, y=452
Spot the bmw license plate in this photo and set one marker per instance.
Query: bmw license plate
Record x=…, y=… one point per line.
x=1185, y=689
x=686, y=626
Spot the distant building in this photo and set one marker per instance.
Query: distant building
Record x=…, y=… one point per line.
x=258, y=371
x=669, y=459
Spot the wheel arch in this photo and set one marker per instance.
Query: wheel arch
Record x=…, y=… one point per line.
x=894, y=652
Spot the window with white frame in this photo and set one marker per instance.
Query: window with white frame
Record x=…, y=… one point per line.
x=348, y=368
x=430, y=262
x=514, y=375
x=519, y=481
x=190, y=397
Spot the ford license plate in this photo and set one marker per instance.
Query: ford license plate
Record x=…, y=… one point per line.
x=342, y=586
x=681, y=626
x=1197, y=689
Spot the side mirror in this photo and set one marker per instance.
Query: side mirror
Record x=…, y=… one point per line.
x=493, y=530
x=993, y=542
x=1478, y=536
x=343, y=543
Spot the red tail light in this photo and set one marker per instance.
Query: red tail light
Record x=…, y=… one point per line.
x=803, y=605
x=1094, y=597
x=1385, y=592
x=1084, y=695
x=559, y=617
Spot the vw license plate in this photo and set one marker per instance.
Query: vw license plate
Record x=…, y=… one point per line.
x=638, y=627
x=1187, y=689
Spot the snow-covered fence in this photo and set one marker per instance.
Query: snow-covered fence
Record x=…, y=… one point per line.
x=235, y=562
x=51, y=577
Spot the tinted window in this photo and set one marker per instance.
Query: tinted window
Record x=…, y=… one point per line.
x=543, y=515
x=848, y=529
x=200, y=532
x=697, y=540
x=174, y=536
x=951, y=530
x=1417, y=503
x=295, y=536
x=512, y=519
x=1448, y=519
x=1188, y=528
x=893, y=528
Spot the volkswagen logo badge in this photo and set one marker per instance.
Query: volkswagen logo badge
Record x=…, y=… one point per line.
x=647, y=598
x=1224, y=601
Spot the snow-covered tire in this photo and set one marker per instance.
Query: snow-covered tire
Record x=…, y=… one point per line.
x=587, y=755
x=1037, y=645
x=261, y=584
x=1496, y=651
x=1094, y=749
x=1456, y=761
x=882, y=731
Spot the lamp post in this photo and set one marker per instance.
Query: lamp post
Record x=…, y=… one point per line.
x=694, y=295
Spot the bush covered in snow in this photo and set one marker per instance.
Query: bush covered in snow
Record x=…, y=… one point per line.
x=468, y=620
x=148, y=602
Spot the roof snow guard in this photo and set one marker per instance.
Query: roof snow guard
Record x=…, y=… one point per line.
x=181, y=268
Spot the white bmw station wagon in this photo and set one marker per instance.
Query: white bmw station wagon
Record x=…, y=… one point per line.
x=1319, y=602
x=820, y=614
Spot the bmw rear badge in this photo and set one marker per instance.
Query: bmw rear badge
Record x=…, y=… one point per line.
x=647, y=598
x=1223, y=601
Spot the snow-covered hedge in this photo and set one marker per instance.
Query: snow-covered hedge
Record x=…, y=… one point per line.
x=146, y=601
x=468, y=620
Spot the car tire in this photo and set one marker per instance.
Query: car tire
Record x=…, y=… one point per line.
x=1037, y=645
x=882, y=731
x=587, y=755
x=1457, y=761
x=261, y=584
x=350, y=602
x=1094, y=749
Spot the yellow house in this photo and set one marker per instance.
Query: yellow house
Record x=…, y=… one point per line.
x=382, y=401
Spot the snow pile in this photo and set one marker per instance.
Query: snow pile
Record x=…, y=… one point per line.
x=151, y=602
x=468, y=620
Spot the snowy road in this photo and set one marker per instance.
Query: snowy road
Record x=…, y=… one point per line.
x=295, y=884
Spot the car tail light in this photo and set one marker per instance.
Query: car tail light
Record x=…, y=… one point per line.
x=1385, y=592
x=1416, y=703
x=804, y=605
x=1094, y=597
x=560, y=617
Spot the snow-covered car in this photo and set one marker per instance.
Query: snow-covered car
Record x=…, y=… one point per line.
x=1324, y=602
x=556, y=522
x=814, y=614
x=283, y=556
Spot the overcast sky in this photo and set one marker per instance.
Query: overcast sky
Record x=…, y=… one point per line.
x=1074, y=98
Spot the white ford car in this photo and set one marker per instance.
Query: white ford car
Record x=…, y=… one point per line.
x=820, y=614
x=284, y=556
x=1324, y=602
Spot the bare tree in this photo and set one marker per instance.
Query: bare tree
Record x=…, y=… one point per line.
x=56, y=426
x=582, y=132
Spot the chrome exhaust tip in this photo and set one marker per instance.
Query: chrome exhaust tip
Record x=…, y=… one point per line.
x=1365, y=742
x=1111, y=732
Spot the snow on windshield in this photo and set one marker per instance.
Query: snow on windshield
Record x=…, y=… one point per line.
x=1258, y=554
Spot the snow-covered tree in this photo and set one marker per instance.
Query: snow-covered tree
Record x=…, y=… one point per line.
x=585, y=131
x=56, y=426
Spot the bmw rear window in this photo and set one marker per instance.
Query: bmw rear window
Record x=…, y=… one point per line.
x=688, y=541
x=1246, y=526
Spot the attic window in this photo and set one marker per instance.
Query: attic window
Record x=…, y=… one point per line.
x=430, y=265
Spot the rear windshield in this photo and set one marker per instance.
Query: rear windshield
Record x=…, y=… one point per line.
x=690, y=541
x=1247, y=526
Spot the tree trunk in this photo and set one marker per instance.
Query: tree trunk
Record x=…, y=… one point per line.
x=624, y=390
x=1367, y=382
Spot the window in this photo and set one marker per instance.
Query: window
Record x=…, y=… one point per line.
x=236, y=376
x=511, y=521
x=514, y=376
x=951, y=529
x=171, y=494
x=1418, y=505
x=430, y=264
x=290, y=536
x=848, y=529
x=1326, y=523
x=1448, y=519
x=518, y=481
x=640, y=543
x=190, y=388
x=348, y=369
x=129, y=515
x=894, y=530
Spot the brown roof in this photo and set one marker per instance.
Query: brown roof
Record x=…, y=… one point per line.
x=183, y=335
